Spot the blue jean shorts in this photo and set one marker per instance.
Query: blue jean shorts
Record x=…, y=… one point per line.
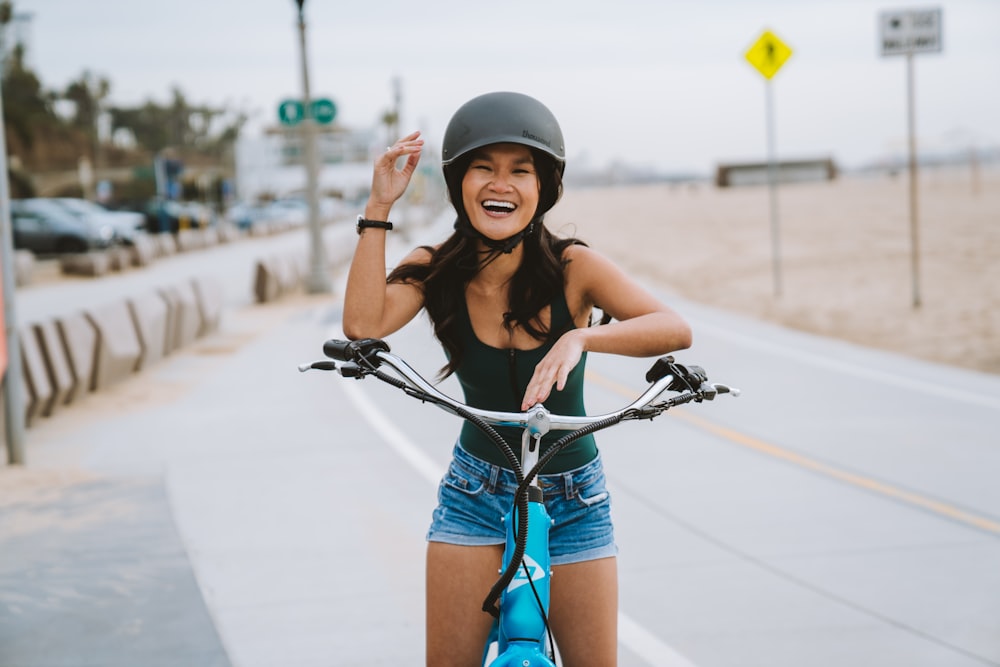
x=475, y=494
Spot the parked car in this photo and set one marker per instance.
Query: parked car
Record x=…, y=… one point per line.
x=127, y=224
x=168, y=215
x=44, y=227
x=246, y=214
x=284, y=212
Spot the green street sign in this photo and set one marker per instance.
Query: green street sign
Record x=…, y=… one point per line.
x=324, y=110
x=291, y=112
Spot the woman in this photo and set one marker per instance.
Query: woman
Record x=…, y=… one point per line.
x=508, y=299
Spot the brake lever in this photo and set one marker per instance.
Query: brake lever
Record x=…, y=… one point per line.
x=347, y=369
x=322, y=365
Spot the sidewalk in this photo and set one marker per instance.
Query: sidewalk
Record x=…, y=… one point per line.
x=102, y=561
x=93, y=570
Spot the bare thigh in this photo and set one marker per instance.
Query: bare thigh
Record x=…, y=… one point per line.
x=458, y=578
x=584, y=612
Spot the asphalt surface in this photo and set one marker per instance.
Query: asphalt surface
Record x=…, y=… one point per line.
x=223, y=509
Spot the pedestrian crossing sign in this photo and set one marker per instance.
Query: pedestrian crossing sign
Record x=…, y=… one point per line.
x=768, y=54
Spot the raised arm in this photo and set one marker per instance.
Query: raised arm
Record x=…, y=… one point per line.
x=373, y=309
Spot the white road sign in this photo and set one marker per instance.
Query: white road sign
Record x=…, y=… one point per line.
x=904, y=31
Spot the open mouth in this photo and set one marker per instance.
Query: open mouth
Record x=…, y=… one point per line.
x=497, y=207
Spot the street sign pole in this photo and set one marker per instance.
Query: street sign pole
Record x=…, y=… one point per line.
x=10, y=373
x=908, y=32
x=772, y=177
x=914, y=211
x=318, y=279
x=767, y=55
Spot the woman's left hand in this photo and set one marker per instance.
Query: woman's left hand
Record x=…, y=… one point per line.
x=554, y=368
x=389, y=182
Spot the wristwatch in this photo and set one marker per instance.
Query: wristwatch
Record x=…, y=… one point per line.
x=378, y=224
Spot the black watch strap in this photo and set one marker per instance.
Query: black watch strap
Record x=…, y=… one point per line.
x=364, y=223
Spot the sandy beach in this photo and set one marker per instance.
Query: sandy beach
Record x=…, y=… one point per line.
x=845, y=249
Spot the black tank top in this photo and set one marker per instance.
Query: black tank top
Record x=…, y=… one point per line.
x=495, y=379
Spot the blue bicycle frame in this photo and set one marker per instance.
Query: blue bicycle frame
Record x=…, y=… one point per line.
x=521, y=631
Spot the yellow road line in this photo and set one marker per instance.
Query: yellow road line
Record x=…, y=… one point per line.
x=854, y=479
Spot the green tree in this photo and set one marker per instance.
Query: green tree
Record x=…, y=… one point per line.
x=26, y=106
x=88, y=94
x=179, y=125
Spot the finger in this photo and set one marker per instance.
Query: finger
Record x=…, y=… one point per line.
x=536, y=392
x=562, y=379
x=411, y=163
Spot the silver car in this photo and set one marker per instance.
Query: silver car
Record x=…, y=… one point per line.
x=44, y=227
x=126, y=224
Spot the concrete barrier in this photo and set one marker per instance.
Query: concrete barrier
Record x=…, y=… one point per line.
x=165, y=243
x=118, y=347
x=24, y=267
x=119, y=258
x=210, y=236
x=151, y=317
x=37, y=388
x=170, y=298
x=85, y=264
x=228, y=232
x=143, y=250
x=190, y=239
x=57, y=365
x=79, y=339
x=186, y=320
x=210, y=296
x=266, y=285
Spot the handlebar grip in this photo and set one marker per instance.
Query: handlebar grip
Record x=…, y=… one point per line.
x=688, y=377
x=353, y=350
x=338, y=349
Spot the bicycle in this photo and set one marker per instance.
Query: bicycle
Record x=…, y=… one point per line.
x=519, y=600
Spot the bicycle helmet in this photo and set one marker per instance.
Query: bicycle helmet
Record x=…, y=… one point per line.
x=504, y=117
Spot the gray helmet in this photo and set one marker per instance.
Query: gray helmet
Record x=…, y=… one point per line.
x=503, y=118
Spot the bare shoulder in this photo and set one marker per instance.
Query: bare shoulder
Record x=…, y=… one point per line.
x=583, y=263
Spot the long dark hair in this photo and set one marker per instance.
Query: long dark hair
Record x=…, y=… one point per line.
x=453, y=264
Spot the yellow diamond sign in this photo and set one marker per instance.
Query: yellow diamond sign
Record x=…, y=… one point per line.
x=768, y=54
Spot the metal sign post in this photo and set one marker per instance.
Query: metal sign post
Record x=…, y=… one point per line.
x=10, y=345
x=318, y=280
x=907, y=32
x=767, y=55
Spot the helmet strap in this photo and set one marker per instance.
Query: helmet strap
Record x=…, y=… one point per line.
x=498, y=246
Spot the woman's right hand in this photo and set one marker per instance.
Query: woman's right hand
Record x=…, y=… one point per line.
x=388, y=182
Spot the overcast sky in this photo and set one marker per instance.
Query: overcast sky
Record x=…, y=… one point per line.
x=646, y=82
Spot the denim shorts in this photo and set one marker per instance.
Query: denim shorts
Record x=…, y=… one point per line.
x=475, y=494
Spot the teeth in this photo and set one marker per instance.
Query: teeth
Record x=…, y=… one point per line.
x=493, y=203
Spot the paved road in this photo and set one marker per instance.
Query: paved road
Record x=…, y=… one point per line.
x=224, y=509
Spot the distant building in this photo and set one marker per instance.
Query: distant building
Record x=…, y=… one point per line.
x=271, y=165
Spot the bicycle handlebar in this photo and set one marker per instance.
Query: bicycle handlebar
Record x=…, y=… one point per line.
x=366, y=356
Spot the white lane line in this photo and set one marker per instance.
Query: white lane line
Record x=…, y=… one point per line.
x=830, y=363
x=395, y=438
x=633, y=636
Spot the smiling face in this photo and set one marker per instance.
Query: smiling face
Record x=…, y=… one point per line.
x=500, y=190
